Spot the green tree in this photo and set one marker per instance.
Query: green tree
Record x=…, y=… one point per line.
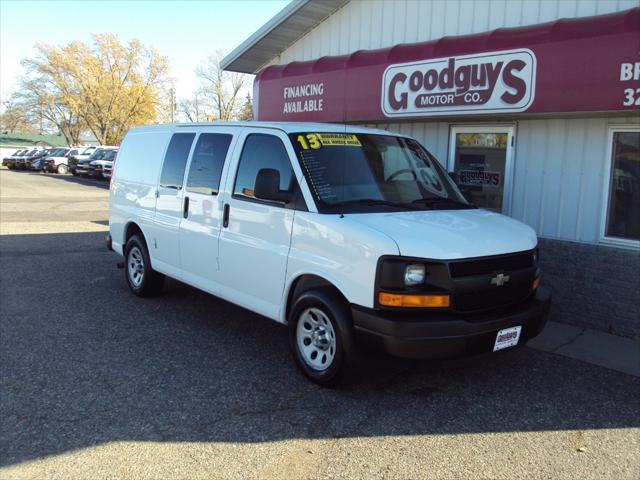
x=246, y=112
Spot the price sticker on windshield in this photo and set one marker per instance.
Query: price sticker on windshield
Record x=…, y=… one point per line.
x=317, y=140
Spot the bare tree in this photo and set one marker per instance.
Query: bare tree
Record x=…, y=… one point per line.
x=197, y=107
x=223, y=87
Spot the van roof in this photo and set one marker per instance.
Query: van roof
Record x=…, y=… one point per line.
x=287, y=127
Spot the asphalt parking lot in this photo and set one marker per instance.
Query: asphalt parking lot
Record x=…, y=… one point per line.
x=96, y=383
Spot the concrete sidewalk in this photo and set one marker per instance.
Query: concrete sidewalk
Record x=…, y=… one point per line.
x=591, y=346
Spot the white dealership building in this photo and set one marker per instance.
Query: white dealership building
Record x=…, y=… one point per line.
x=532, y=104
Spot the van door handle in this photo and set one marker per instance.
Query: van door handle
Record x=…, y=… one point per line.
x=225, y=215
x=185, y=207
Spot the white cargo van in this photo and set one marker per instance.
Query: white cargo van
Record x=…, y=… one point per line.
x=347, y=235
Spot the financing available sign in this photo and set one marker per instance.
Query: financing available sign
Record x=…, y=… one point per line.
x=492, y=82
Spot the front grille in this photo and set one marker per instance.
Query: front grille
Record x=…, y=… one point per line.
x=474, y=286
x=489, y=298
x=485, y=265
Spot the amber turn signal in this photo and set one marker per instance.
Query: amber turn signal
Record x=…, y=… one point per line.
x=536, y=283
x=414, y=301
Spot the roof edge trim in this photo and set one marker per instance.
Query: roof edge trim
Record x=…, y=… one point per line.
x=259, y=34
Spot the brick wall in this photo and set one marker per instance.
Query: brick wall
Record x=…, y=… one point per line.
x=593, y=286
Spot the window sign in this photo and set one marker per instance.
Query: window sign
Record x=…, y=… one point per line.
x=481, y=160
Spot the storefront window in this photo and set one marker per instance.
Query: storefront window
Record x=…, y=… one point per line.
x=481, y=157
x=623, y=214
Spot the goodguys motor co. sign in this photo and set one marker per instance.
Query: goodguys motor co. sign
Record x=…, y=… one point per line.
x=563, y=67
x=484, y=83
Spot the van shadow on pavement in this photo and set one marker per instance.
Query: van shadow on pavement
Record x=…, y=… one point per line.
x=84, y=362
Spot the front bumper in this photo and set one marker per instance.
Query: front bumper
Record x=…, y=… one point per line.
x=82, y=170
x=447, y=335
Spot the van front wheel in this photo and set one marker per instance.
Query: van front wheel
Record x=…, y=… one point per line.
x=141, y=278
x=321, y=336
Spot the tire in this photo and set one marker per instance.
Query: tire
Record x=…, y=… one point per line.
x=141, y=278
x=62, y=169
x=320, y=322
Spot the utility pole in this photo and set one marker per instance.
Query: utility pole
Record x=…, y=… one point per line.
x=173, y=103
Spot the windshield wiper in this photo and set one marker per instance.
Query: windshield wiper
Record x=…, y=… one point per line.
x=436, y=201
x=373, y=202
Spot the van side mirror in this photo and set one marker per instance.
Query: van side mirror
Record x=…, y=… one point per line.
x=267, y=186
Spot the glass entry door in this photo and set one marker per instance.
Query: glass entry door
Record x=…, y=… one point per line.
x=480, y=159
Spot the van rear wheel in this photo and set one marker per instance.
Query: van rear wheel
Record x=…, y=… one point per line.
x=62, y=169
x=321, y=337
x=141, y=278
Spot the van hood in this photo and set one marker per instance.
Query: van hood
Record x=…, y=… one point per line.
x=451, y=234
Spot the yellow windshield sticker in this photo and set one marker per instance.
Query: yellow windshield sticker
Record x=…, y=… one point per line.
x=338, y=139
x=317, y=140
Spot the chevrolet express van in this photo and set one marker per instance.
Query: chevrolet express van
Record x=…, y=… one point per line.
x=347, y=235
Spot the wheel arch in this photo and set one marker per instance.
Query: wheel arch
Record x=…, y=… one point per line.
x=303, y=282
x=131, y=228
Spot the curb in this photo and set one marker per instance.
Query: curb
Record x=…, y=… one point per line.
x=591, y=346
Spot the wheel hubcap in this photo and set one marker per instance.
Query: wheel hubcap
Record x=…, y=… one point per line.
x=135, y=266
x=316, y=339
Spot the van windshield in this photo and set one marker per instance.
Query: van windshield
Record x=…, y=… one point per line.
x=355, y=173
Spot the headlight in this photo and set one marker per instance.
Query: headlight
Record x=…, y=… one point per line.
x=414, y=275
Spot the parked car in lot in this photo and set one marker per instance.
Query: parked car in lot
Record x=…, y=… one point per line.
x=21, y=161
x=57, y=160
x=347, y=235
x=108, y=170
x=83, y=155
x=85, y=168
x=34, y=162
x=10, y=161
x=98, y=168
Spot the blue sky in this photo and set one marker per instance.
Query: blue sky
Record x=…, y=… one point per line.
x=185, y=31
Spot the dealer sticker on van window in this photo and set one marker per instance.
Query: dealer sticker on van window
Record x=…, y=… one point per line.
x=507, y=338
x=318, y=140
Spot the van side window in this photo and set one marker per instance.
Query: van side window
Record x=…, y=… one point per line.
x=262, y=151
x=207, y=162
x=175, y=160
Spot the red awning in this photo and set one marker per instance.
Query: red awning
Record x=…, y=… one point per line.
x=587, y=64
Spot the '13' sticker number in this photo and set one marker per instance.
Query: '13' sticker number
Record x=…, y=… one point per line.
x=311, y=141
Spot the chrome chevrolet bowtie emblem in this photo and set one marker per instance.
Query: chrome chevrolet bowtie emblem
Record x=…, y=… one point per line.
x=500, y=279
